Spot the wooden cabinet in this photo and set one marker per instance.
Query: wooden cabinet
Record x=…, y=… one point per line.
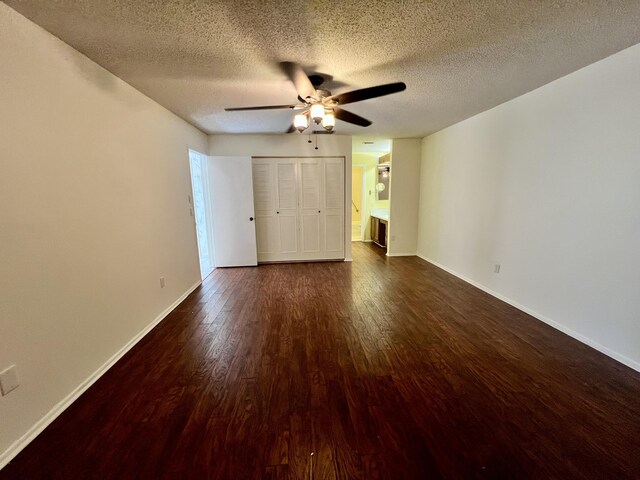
x=379, y=231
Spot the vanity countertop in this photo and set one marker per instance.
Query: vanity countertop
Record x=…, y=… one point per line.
x=381, y=213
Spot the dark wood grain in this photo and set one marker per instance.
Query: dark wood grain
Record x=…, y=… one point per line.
x=384, y=368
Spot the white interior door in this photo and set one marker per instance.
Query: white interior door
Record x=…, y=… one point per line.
x=311, y=221
x=264, y=198
x=234, y=232
x=287, y=208
x=333, y=212
x=275, y=193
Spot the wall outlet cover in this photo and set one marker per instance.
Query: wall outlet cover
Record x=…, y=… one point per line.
x=161, y=282
x=8, y=380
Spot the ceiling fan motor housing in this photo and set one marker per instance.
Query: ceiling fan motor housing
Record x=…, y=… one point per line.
x=316, y=79
x=323, y=93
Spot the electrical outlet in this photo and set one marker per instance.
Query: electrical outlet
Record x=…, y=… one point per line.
x=161, y=282
x=8, y=380
x=496, y=268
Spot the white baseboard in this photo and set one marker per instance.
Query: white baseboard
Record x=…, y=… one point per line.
x=401, y=254
x=17, y=446
x=558, y=326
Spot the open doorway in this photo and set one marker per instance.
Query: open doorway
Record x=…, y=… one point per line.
x=371, y=175
x=201, y=210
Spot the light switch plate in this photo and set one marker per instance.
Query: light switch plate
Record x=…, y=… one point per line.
x=8, y=380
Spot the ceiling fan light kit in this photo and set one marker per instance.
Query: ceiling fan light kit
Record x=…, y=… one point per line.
x=320, y=105
x=329, y=121
x=301, y=122
x=317, y=112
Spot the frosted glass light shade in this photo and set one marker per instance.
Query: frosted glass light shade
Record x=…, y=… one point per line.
x=317, y=112
x=301, y=122
x=329, y=121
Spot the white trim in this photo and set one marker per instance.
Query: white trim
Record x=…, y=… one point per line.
x=401, y=254
x=16, y=447
x=558, y=326
x=348, y=259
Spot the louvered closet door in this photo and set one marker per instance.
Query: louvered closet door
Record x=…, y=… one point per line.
x=299, y=206
x=287, y=209
x=311, y=225
x=276, y=206
x=333, y=211
x=264, y=197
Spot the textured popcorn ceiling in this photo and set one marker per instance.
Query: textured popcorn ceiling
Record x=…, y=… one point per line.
x=457, y=58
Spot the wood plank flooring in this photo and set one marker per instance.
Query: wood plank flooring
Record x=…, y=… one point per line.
x=380, y=368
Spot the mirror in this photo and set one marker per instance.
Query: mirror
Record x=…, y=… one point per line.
x=382, y=185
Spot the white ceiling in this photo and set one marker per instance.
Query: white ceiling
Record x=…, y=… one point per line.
x=458, y=58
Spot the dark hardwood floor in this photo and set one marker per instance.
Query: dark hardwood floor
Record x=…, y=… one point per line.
x=380, y=368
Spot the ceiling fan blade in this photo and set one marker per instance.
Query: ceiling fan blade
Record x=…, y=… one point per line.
x=349, y=117
x=303, y=85
x=267, y=107
x=367, y=93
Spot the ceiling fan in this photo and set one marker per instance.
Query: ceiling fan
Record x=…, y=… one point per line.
x=320, y=105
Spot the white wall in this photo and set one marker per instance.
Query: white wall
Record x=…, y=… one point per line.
x=548, y=185
x=404, y=193
x=290, y=145
x=94, y=179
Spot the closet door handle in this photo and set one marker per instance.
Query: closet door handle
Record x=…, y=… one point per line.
x=318, y=211
x=278, y=212
x=251, y=219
